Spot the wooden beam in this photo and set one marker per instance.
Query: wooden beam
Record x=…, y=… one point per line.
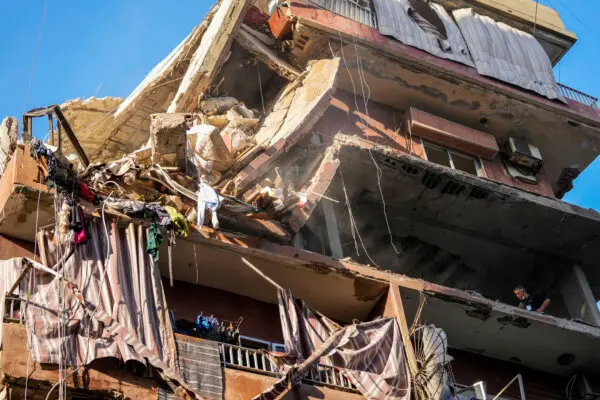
x=250, y=42
x=395, y=308
x=209, y=55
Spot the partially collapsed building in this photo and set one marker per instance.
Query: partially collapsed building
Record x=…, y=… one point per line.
x=325, y=199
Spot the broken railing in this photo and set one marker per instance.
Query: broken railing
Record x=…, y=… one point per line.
x=256, y=361
x=12, y=309
x=62, y=124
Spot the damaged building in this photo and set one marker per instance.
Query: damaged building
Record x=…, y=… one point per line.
x=325, y=199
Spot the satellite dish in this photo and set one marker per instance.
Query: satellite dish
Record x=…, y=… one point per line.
x=431, y=346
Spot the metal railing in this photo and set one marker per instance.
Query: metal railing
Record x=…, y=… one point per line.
x=256, y=361
x=12, y=310
x=578, y=96
x=245, y=358
x=328, y=376
x=357, y=10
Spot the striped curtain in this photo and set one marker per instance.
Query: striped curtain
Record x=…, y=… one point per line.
x=370, y=354
x=126, y=286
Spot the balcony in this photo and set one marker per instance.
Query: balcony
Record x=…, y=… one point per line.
x=362, y=11
x=256, y=361
x=578, y=96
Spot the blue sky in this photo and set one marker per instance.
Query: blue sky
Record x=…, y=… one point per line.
x=106, y=48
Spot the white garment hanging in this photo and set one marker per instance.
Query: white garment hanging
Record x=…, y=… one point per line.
x=208, y=199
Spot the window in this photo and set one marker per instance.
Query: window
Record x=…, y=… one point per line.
x=453, y=159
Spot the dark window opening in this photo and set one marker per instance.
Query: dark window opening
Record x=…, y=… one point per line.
x=453, y=159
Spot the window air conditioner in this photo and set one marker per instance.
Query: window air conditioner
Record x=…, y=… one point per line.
x=524, y=154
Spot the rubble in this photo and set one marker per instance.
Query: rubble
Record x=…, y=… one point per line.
x=233, y=145
x=8, y=140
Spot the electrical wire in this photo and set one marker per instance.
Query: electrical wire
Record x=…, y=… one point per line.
x=104, y=273
x=353, y=225
x=379, y=172
x=537, y=3
x=35, y=55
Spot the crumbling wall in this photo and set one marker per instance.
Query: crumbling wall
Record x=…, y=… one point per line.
x=8, y=140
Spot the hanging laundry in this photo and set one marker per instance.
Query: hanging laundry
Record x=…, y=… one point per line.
x=160, y=215
x=155, y=238
x=87, y=194
x=127, y=206
x=64, y=221
x=170, y=250
x=178, y=220
x=78, y=224
x=208, y=199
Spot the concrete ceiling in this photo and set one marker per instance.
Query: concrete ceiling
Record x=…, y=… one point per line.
x=339, y=296
x=468, y=232
x=506, y=336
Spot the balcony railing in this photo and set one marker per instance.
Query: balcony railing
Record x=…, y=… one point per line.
x=256, y=361
x=578, y=96
x=12, y=310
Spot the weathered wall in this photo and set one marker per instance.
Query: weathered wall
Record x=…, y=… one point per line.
x=401, y=76
x=104, y=374
x=381, y=124
x=11, y=247
x=20, y=187
x=241, y=385
x=261, y=320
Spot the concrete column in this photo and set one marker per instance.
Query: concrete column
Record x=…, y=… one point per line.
x=579, y=298
x=333, y=234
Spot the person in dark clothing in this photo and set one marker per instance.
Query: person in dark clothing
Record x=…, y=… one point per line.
x=531, y=302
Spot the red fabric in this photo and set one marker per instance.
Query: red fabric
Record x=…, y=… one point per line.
x=86, y=193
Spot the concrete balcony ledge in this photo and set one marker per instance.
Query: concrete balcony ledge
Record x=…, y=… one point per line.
x=21, y=186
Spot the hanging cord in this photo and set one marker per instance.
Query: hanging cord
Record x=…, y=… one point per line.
x=417, y=319
x=262, y=100
x=353, y=223
x=35, y=56
x=33, y=278
x=366, y=97
x=196, y=262
x=537, y=3
x=85, y=362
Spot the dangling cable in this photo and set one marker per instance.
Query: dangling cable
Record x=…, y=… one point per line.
x=104, y=273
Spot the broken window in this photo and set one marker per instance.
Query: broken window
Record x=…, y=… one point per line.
x=453, y=159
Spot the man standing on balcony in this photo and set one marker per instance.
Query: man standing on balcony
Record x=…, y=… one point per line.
x=531, y=302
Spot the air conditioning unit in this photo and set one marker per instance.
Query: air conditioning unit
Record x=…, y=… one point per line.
x=588, y=386
x=524, y=154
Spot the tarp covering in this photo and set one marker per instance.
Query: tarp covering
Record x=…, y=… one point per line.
x=9, y=271
x=394, y=20
x=131, y=295
x=506, y=53
x=370, y=354
x=200, y=365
